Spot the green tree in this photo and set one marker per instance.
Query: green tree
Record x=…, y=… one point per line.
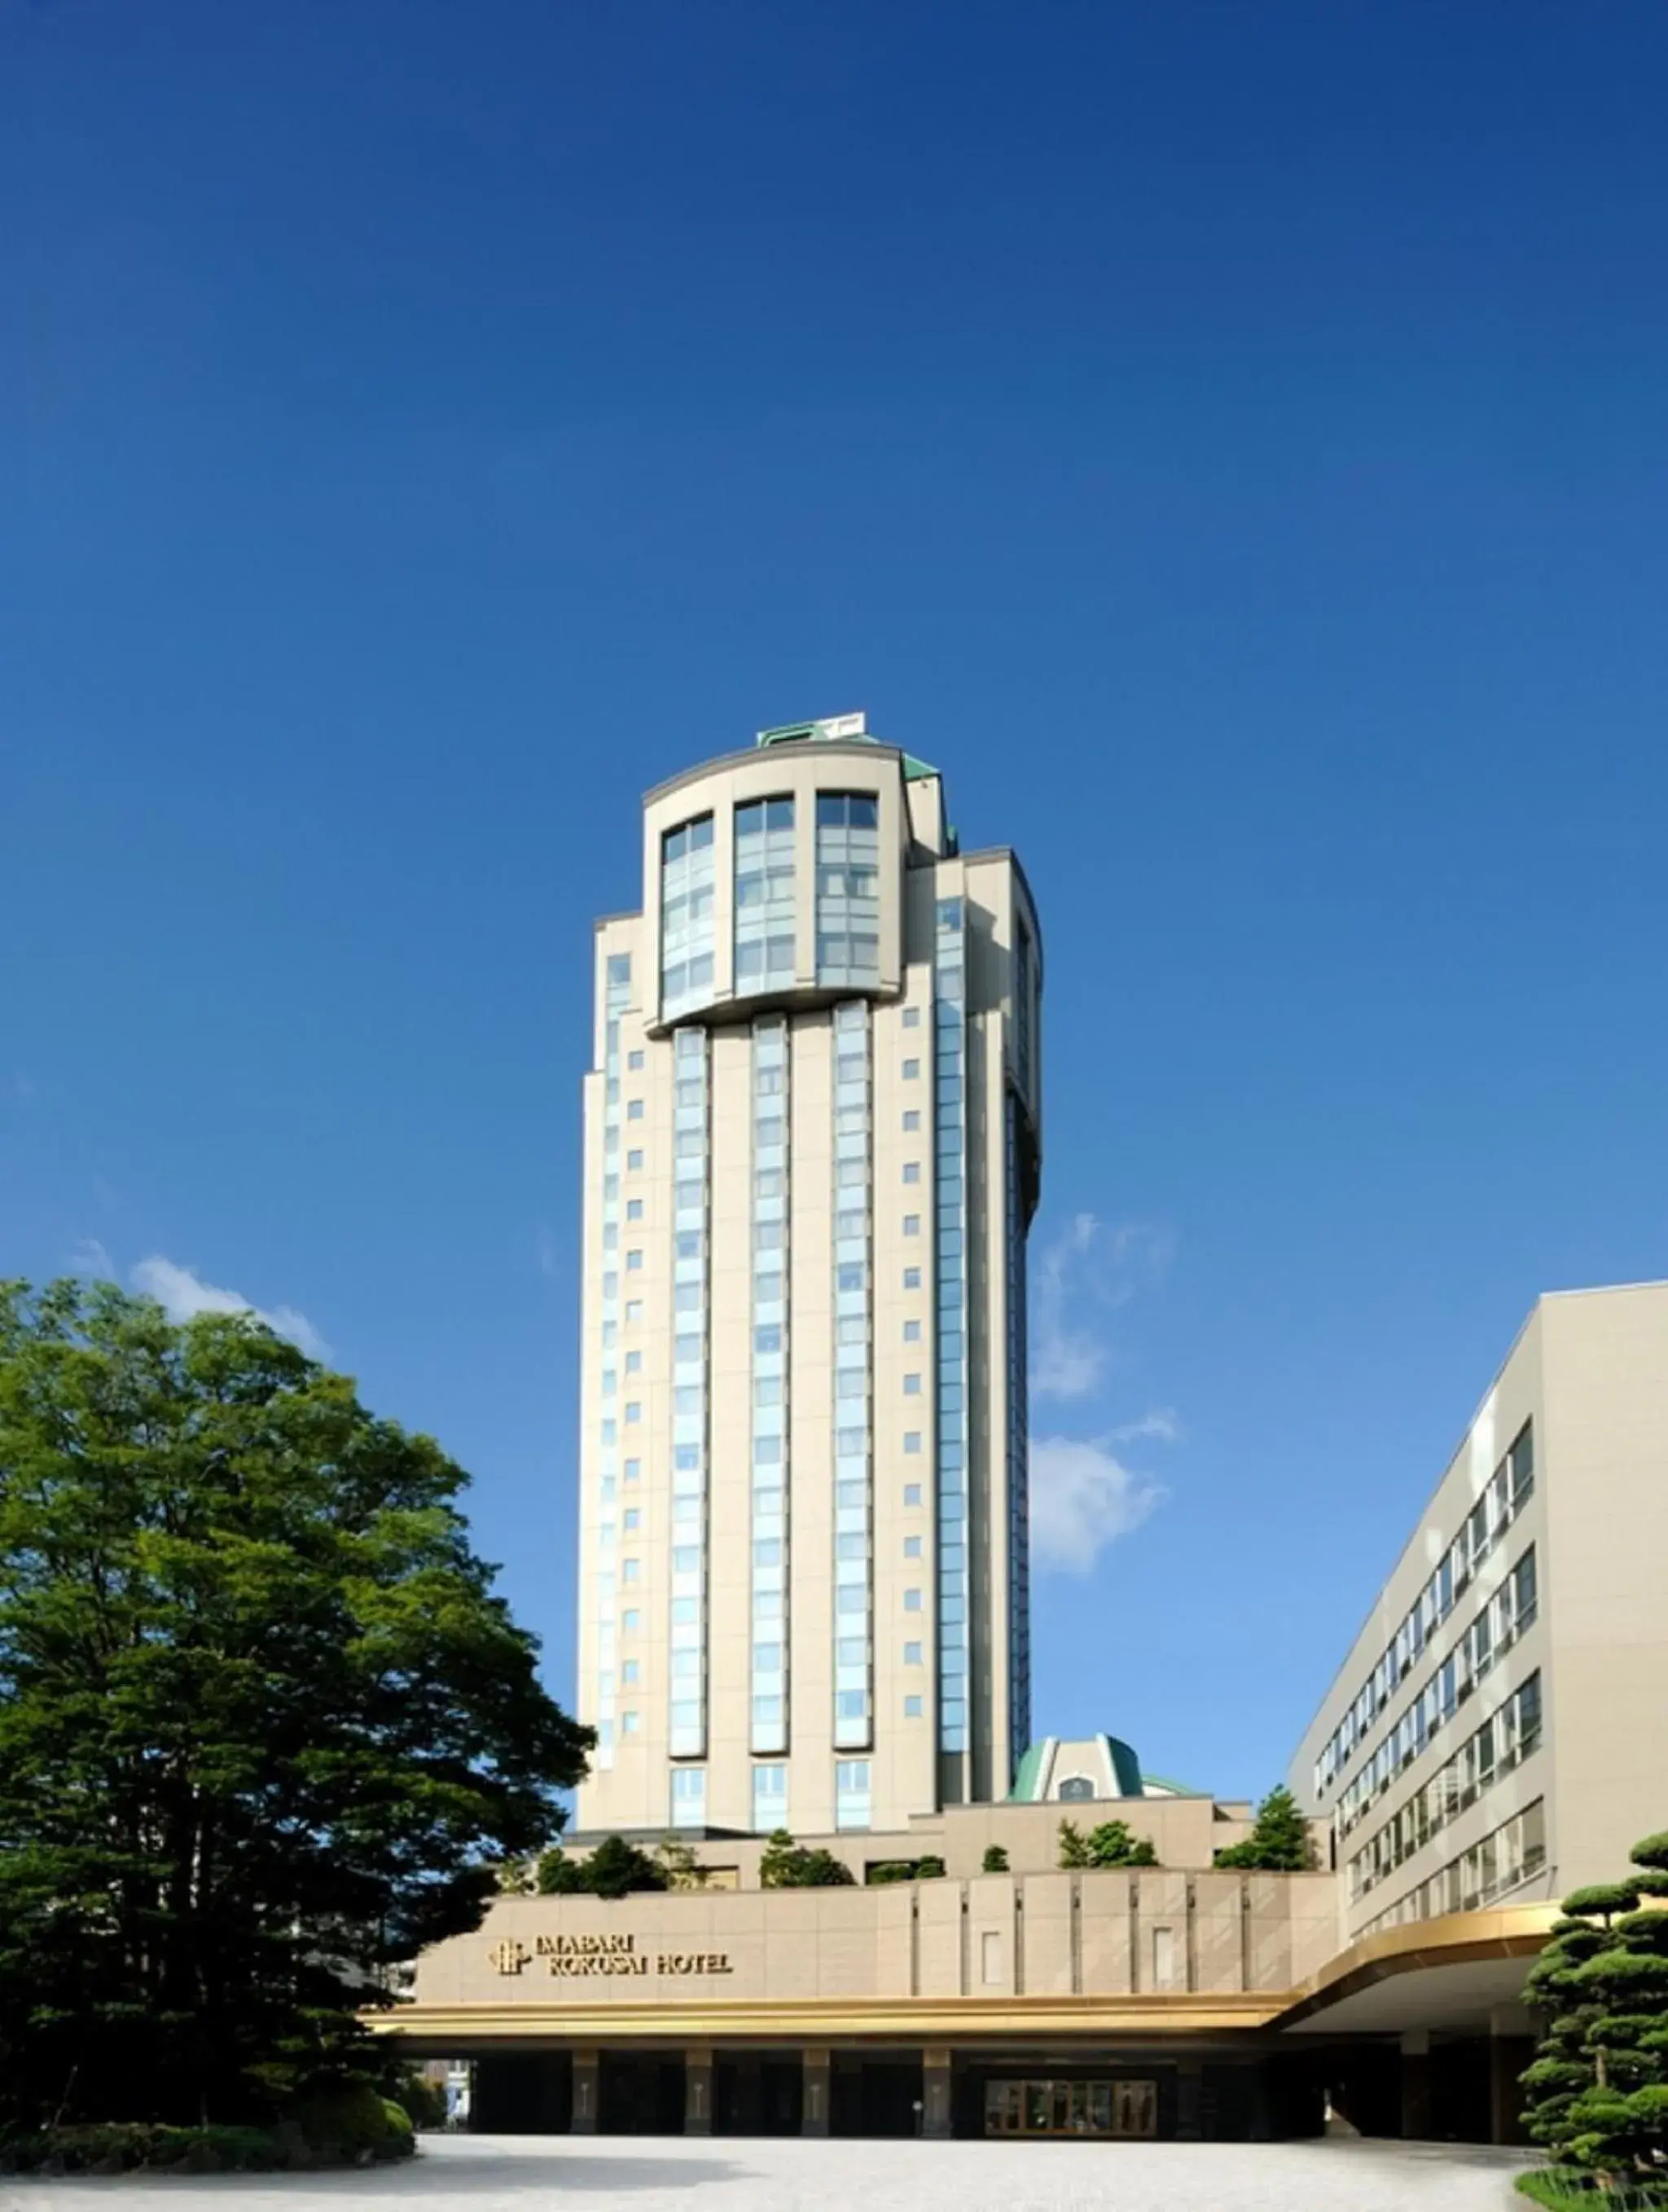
x=1599, y=2086
x=1073, y=1845
x=995, y=1859
x=785, y=1864
x=614, y=1869
x=1112, y=1843
x=1279, y=1840
x=265, y=1728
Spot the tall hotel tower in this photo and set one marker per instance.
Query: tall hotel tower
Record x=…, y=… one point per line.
x=812, y=1155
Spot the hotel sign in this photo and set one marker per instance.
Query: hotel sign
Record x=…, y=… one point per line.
x=574, y=1955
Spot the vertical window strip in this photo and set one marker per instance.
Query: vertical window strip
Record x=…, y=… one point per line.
x=854, y=1331
x=848, y=888
x=770, y=1377
x=687, y=1730
x=686, y=917
x=764, y=895
x=618, y=996
x=1019, y=1456
x=950, y=1337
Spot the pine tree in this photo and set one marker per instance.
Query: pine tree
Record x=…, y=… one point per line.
x=1279, y=1840
x=1599, y=2086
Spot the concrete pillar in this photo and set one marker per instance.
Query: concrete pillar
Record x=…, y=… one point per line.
x=586, y=2093
x=1190, y=2088
x=938, y=2109
x=817, y=2114
x=698, y=2092
x=1417, y=2084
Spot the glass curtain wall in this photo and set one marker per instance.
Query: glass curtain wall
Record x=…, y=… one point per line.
x=852, y=1415
x=769, y=1386
x=763, y=895
x=848, y=888
x=618, y=998
x=950, y=1151
x=686, y=917
x=687, y=1730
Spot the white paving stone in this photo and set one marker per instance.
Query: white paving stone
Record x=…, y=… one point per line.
x=524, y=2173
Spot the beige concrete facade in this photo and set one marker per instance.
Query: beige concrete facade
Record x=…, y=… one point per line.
x=1500, y=1730
x=1160, y=1932
x=811, y=1153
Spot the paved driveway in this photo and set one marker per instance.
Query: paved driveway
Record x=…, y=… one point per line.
x=528, y=2174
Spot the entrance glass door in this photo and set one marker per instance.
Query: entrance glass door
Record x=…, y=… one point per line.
x=1054, y=2107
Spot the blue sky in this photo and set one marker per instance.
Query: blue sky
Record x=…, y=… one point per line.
x=1229, y=440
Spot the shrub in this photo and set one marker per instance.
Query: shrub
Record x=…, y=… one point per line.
x=344, y=2120
x=424, y=2101
x=615, y=1869
x=995, y=1859
x=928, y=1870
x=787, y=1865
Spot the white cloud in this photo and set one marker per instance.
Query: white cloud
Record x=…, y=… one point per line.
x=181, y=1294
x=1086, y=1271
x=1083, y=1498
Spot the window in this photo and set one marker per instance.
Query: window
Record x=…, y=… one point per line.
x=763, y=902
x=911, y=1171
x=911, y=1491
x=634, y=1110
x=634, y=1163
x=629, y=1672
x=912, y=1386
x=630, y=1723
x=911, y=1654
x=630, y=1621
x=911, y=1544
x=634, y=1060
x=686, y=916
x=634, y=1517
x=770, y=1798
x=634, y=1209
x=911, y=1228
x=911, y=1600
x=912, y=1709
x=912, y=1017
x=689, y=1796
x=848, y=889
x=912, y=1440
x=629, y=1570
x=911, y=1071
x=634, y=1410
x=633, y=1363
x=912, y=1120
x=911, y=1278
x=633, y=1469
x=633, y=1310
x=851, y=1793
x=912, y=1332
